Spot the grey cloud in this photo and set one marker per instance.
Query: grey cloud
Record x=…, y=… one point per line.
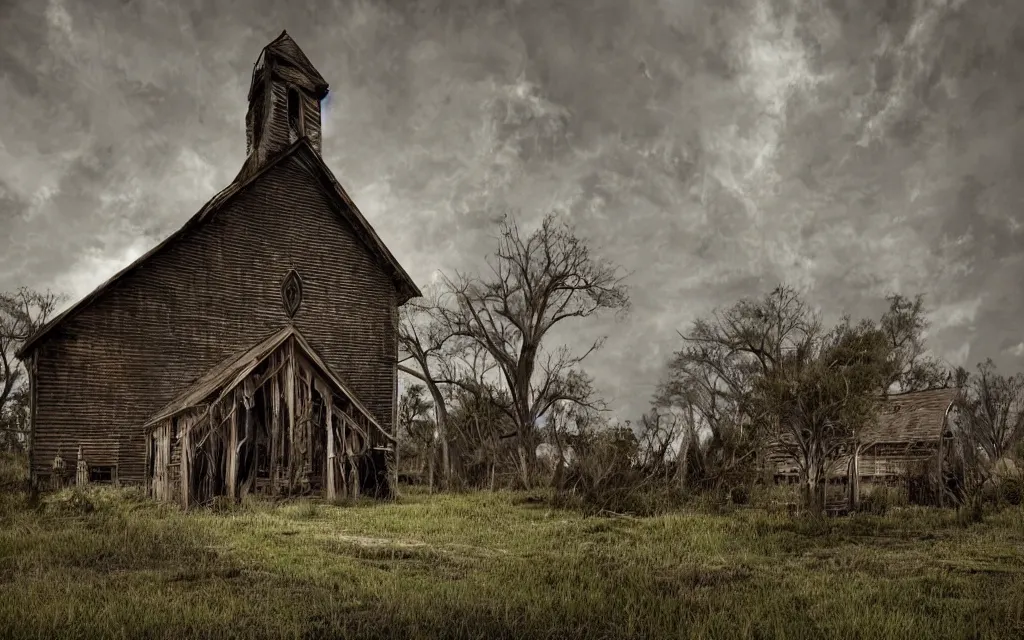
x=852, y=147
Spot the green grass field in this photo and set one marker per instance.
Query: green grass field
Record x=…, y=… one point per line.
x=489, y=566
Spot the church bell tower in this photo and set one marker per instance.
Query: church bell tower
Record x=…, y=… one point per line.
x=284, y=100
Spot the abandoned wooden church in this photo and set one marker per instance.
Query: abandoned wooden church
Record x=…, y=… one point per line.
x=254, y=350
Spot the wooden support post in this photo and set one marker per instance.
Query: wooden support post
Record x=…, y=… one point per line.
x=248, y=440
x=150, y=464
x=155, y=441
x=275, y=429
x=330, y=445
x=81, y=469
x=309, y=431
x=186, y=462
x=353, y=468
x=289, y=399
x=232, y=479
x=353, y=478
x=161, y=490
x=340, y=447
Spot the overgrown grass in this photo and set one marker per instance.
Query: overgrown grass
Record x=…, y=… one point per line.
x=496, y=566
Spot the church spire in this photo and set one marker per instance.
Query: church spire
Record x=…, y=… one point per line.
x=284, y=100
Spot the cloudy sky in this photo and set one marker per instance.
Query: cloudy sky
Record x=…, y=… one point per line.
x=712, y=148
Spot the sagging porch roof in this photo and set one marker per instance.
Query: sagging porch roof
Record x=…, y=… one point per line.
x=231, y=371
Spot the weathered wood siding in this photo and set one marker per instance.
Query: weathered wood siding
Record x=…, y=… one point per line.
x=279, y=133
x=213, y=293
x=311, y=116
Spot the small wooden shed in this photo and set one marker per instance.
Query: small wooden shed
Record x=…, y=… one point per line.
x=912, y=431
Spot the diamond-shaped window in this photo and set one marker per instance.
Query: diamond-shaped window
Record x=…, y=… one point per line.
x=291, y=293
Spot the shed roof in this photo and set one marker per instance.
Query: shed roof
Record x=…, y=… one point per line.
x=918, y=416
x=407, y=289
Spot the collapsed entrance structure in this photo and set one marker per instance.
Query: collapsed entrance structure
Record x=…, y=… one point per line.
x=274, y=420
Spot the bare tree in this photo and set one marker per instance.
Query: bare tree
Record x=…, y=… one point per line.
x=22, y=313
x=417, y=428
x=481, y=426
x=565, y=422
x=426, y=342
x=989, y=421
x=535, y=283
x=658, y=432
x=911, y=368
x=711, y=379
x=990, y=411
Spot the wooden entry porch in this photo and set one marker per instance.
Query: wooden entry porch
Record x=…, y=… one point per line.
x=274, y=421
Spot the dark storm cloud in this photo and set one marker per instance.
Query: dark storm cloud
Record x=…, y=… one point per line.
x=850, y=147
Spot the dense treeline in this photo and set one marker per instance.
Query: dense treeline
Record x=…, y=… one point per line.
x=494, y=403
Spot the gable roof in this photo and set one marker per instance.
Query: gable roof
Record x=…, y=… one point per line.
x=404, y=284
x=238, y=365
x=230, y=372
x=903, y=418
x=918, y=416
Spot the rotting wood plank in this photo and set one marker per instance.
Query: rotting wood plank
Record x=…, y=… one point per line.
x=248, y=442
x=275, y=426
x=341, y=443
x=186, y=461
x=150, y=463
x=289, y=398
x=232, y=450
x=328, y=397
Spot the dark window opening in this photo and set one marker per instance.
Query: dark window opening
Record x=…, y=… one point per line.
x=102, y=473
x=294, y=112
x=256, y=118
x=262, y=461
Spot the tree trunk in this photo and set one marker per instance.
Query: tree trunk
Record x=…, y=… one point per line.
x=681, y=462
x=814, y=491
x=524, y=463
x=441, y=421
x=557, y=479
x=440, y=412
x=431, y=451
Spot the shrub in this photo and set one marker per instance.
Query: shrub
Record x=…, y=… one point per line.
x=877, y=502
x=1012, y=490
x=740, y=495
x=73, y=501
x=1001, y=492
x=13, y=470
x=972, y=512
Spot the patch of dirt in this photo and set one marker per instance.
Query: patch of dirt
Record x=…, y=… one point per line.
x=452, y=548
x=977, y=567
x=366, y=541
